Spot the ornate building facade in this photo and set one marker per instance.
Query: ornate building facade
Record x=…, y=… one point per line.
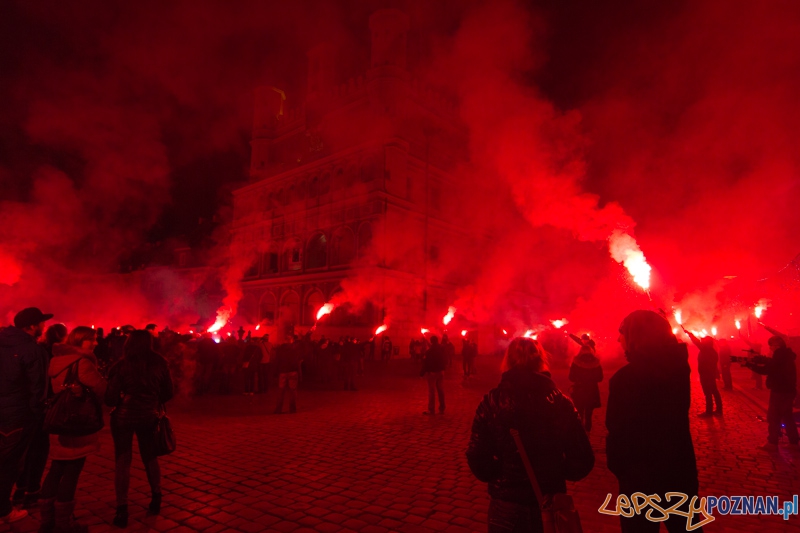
x=351, y=190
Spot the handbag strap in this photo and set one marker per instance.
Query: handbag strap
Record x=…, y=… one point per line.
x=528, y=467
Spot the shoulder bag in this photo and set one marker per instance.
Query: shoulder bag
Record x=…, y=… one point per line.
x=165, y=442
x=558, y=510
x=74, y=410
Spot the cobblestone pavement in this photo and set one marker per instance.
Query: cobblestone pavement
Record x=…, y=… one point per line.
x=370, y=461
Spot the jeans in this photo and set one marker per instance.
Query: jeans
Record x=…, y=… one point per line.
x=62, y=479
x=780, y=412
x=585, y=414
x=122, y=431
x=712, y=394
x=13, y=445
x=288, y=380
x=509, y=517
x=435, y=380
x=263, y=377
x=30, y=479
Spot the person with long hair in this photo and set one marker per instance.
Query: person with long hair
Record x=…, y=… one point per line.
x=138, y=387
x=554, y=439
x=649, y=444
x=69, y=453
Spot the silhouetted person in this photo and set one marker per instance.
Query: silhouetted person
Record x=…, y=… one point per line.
x=251, y=361
x=264, y=367
x=287, y=368
x=349, y=358
x=558, y=447
x=23, y=390
x=69, y=453
x=755, y=349
x=449, y=350
x=707, y=361
x=231, y=356
x=138, y=387
x=585, y=373
x=386, y=349
x=781, y=375
x=153, y=330
x=793, y=343
x=649, y=444
x=434, y=366
x=725, y=364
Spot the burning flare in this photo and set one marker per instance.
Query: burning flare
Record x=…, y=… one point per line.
x=558, y=324
x=463, y=333
x=380, y=329
x=738, y=324
x=223, y=314
x=258, y=326
x=714, y=331
x=424, y=330
x=451, y=312
x=529, y=334
x=325, y=310
x=678, y=317
x=625, y=250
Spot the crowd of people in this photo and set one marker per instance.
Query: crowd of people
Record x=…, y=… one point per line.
x=34, y=376
x=527, y=440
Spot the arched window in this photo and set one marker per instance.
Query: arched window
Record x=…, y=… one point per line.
x=364, y=239
x=313, y=187
x=314, y=301
x=325, y=184
x=267, y=308
x=269, y=262
x=292, y=256
x=252, y=270
x=317, y=256
x=301, y=190
x=343, y=246
x=289, y=312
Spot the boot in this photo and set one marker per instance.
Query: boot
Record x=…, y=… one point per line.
x=47, y=515
x=155, y=504
x=121, y=518
x=64, y=522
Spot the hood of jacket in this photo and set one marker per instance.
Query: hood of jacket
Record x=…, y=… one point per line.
x=526, y=378
x=66, y=354
x=13, y=336
x=784, y=354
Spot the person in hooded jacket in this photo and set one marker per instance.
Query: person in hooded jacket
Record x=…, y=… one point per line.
x=585, y=373
x=649, y=445
x=69, y=453
x=707, y=361
x=782, y=383
x=551, y=431
x=138, y=387
x=434, y=366
x=23, y=391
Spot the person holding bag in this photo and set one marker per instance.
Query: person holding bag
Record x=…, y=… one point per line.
x=548, y=427
x=138, y=386
x=73, y=365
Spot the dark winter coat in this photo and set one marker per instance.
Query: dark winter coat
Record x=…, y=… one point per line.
x=23, y=378
x=649, y=444
x=585, y=373
x=780, y=371
x=138, y=394
x=549, y=426
x=66, y=447
x=435, y=360
x=286, y=359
